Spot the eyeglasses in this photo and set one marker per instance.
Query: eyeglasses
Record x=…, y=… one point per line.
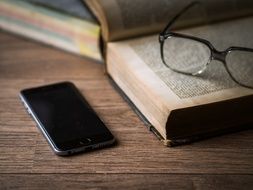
x=191, y=55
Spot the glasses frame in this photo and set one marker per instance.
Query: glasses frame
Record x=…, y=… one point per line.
x=214, y=53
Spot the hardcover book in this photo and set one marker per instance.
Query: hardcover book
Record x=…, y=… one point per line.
x=178, y=108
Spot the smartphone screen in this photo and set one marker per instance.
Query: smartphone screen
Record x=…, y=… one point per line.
x=65, y=118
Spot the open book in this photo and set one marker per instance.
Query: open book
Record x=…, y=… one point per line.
x=179, y=108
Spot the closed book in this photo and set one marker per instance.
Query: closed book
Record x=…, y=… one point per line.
x=68, y=25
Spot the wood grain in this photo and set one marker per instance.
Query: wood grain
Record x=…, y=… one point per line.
x=125, y=181
x=138, y=160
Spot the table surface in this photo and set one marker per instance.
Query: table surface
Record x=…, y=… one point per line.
x=139, y=160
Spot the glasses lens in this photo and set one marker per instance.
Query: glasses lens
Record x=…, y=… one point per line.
x=240, y=65
x=186, y=55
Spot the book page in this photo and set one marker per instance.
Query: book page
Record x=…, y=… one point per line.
x=215, y=78
x=180, y=90
x=123, y=19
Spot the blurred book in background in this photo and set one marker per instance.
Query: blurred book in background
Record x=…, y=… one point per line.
x=64, y=24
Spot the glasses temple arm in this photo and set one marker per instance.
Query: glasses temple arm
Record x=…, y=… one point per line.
x=166, y=29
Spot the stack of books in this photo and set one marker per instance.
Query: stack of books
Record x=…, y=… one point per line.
x=68, y=25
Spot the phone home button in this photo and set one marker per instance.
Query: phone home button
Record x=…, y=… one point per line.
x=85, y=141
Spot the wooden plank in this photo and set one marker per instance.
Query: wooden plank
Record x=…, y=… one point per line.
x=17, y=151
x=125, y=181
x=22, y=59
x=130, y=154
x=24, y=150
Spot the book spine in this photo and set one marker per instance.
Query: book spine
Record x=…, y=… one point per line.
x=139, y=114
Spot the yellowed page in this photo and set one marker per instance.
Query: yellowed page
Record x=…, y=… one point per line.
x=123, y=19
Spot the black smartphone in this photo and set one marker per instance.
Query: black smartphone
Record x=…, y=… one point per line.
x=65, y=118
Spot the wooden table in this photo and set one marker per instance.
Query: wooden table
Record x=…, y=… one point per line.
x=138, y=161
